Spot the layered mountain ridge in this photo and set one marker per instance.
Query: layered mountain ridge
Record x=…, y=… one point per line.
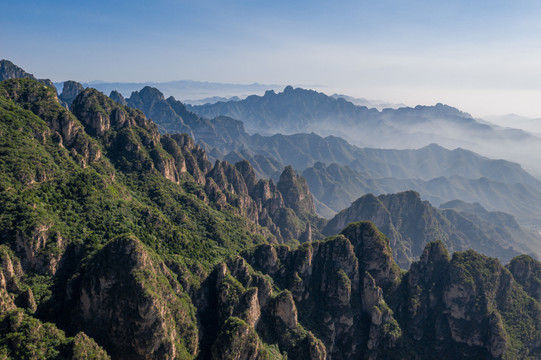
x=411, y=223
x=438, y=174
x=118, y=241
x=305, y=111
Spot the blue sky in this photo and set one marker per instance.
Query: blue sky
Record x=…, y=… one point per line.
x=481, y=56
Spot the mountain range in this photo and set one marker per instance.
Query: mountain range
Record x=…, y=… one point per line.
x=305, y=111
x=185, y=89
x=119, y=241
x=438, y=174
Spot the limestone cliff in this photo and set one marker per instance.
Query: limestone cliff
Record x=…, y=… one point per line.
x=332, y=287
x=130, y=302
x=70, y=91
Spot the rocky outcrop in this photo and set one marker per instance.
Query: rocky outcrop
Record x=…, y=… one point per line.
x=116, y=96
x=237, y=340
x=152, y=103
x=527, y=272
x=131, y=303
x=70, y=91
x=10, y=278
x=295, y=192
x=36, y=250
x=330, y=289
x=43, y=102
x=100, y=114
x=239, y=313
x=9, y=70
x=462, y=306
x=262, y=201
x=373, y=253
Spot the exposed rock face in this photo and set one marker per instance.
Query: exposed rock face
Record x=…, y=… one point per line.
x=70, y=92
x=124, y=300
x=327, y=283
x=9, y=70
x=373, y=252
x=152, y=102
x=262, y=201
x=295, y=191
x=461, y=302
x=100, y=114
x=238, y=312
x=34, y=254
x=237, y=340
x=283, y=307
x=10, y=274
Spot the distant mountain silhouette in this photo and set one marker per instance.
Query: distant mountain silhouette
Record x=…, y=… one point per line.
x=305, y=111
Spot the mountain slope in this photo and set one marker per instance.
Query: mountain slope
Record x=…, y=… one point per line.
x=411, y=223
x=9, y=70
x=440, y=175
x=90, y=199
x=134, y=238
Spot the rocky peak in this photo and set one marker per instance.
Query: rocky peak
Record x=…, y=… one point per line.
x=98, y=113
x=153, y=104
x=435, y=253
x=374, y=253
x=146, y=98
x=284, y=308
x=116, y=96
x=43, y=102
x=9, y=70
x=295, y=192
x=247, y=172
x=228, y=178
x=70, y=91
x=123, y=300
x=288, y=89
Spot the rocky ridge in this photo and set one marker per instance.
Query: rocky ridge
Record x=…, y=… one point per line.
x=9, y=70
x=69, y=92
x=411, y=223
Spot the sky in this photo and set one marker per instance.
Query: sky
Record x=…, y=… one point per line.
x=483, y=57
